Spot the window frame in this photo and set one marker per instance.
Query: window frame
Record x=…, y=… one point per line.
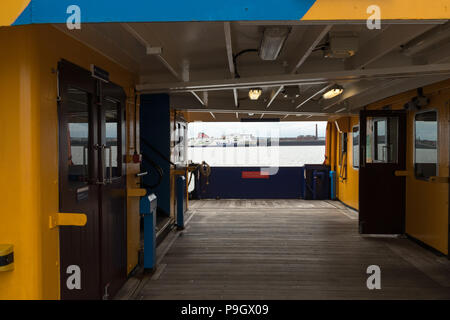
x=438, y=151
x=353, y=146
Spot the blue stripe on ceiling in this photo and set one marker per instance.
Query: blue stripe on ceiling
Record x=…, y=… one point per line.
x=54, y=11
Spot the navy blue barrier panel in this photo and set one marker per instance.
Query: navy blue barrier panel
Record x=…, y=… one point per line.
x=155, y=128
x=248, y=183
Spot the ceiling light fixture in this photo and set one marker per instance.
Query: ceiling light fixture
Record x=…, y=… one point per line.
x=272, y=42
x=254, y=94
x=333, y=92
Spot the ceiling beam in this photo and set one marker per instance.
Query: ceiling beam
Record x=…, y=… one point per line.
x=297, y=79
x=90, y=36
x=259, y=112
x=182, y=74
x=439, y=55
x=391, y=38
x=381, y=45
x=198, y=98
x=309, y=42
x=146, y=41
x=391, y=88
x=317, y=93
x=236, y=98
x=229, y=48
x=206, y=98
x=274, y=96
x=426, y=40
x=188, y=102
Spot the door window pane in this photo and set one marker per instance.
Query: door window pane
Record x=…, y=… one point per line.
x=77, y=114
x=382, y=140
x=355, y=135
x=425, y=149
x=112, y=151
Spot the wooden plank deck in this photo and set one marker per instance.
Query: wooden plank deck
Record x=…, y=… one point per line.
x=289, y=249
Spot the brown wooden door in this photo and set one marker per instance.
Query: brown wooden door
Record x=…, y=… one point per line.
x=113, y=195
x=79, y=192
x=92, y=181
x=382, y=152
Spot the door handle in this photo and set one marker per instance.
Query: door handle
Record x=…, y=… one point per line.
x=67, y=219
x=103, y=169
x=106, y=180
x=85, y=164
x=401, y=173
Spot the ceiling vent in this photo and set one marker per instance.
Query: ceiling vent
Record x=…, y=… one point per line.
x=342, y=45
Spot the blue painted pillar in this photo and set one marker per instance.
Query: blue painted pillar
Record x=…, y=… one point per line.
x=333, y=185
x=148, y=206
x=181, y=201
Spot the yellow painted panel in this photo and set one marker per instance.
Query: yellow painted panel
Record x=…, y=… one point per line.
x=390, y=9
x=56, y=45
x=10, y=10
x=19, y=165
x=343, y=124
x=347, y=190
x=426, y=201
x=133, y=210
x=29, y=157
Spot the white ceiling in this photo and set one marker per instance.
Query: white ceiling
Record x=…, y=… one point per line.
x=196, y=68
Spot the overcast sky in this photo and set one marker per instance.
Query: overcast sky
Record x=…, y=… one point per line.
x=262, y=129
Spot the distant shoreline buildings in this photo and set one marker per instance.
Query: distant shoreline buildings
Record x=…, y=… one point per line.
x=248, y=140
x=245, y=139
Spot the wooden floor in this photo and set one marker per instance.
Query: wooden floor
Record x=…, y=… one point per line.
x=288, y=249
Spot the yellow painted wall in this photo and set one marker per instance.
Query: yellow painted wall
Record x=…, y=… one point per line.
x=347, y=189
x=133, y=210
x=390, y=9
x=427, y=203
x=29, y=154
x=20, y=213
